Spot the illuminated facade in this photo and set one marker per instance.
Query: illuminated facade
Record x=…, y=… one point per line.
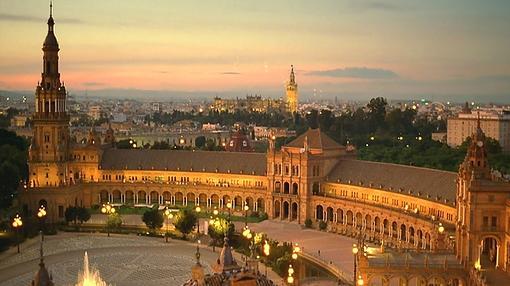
x=312, y=177
x=250, y=103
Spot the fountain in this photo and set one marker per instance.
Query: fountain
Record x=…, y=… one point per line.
x=88, y=278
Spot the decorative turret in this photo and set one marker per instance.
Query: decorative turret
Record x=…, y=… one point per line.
x=476, y=163
x=226, y=261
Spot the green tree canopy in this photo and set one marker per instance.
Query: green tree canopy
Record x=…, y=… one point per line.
x=153, y=219
x=185, y=221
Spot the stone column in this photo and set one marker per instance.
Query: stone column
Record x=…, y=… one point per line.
x=256, y=204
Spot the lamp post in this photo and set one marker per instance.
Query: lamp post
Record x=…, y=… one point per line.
x=108, y=209
x=267, y=249
x=198, y=210
x=41, y=214
x=168, y=216
x=229, y=207
x=295, y=253
x=355, y=250
x=290, y=278
x=246, y=209
x=17, y=223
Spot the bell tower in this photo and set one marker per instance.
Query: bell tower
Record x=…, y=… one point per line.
x=481, y=227
x=291, y=92
x=49, y=150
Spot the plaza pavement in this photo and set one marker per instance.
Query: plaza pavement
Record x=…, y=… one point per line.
x=121, y=259
x=330, y=248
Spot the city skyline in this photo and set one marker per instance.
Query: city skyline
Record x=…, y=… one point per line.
x=350, y=49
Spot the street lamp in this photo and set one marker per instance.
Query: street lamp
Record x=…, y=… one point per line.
x=360, y=281
x=246, y=209
x=17, y=223
x=108, y=209
x=290, y=278
x=267, y=249
x=169, y=215
x=198, y=210
x=440, y=228
x=41, y=214
x=355, y=250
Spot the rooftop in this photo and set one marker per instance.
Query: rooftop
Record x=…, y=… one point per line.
x=421, y=182
x=177, y=160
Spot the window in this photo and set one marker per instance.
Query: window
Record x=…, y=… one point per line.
x=494, y=221
x=485, y=221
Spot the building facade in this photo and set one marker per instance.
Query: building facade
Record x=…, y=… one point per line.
x=495, y=125
x=311, y=178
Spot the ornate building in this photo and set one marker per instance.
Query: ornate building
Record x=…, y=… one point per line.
x=312, y=177
x=291, y=93
x=251, y=104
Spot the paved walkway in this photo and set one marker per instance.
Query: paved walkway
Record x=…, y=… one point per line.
x=330, y=248
x=120, y=259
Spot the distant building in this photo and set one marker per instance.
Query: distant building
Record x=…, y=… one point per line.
x=439, y=136
x=251, y=104
x=18, y=121
x=210, y=127
x=239, y=142
x=119, y=117
x=494, y=124
x=95, y=112
x=291, y=93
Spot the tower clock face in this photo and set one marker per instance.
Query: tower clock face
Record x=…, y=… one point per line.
x=479, y=143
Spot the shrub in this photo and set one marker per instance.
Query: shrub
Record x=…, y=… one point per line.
x=114, y=221
x=322, y=225
x=308, y=223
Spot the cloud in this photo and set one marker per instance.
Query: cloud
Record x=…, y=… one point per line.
x=93, y=83
x=233, y=73
x=356, y=72
x=32, y=19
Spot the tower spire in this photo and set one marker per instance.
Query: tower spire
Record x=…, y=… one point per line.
x=292, y=76
x=51, y=8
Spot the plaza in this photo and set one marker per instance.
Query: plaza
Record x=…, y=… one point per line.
x=120, y=259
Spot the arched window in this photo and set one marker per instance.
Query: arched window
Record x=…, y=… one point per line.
x=295, y=188
x=277, y=187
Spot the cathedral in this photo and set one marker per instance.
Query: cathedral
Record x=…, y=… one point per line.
x=313, y=178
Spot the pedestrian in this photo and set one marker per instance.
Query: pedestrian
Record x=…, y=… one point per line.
x=319, y=252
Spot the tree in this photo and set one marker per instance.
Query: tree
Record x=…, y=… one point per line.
x=216, y=231
x=71, y=214
x=82, y=214
x=308, y=223
x=153, y=219
x=77, y=214
x=114, y=221
x=185, y=221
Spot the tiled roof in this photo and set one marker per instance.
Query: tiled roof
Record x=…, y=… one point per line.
x=177, y=160
x=316, y=140
x=421, y=182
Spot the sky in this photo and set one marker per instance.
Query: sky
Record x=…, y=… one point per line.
x=339, y=48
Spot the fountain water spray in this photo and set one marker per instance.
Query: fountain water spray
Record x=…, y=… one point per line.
x=88, y=277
